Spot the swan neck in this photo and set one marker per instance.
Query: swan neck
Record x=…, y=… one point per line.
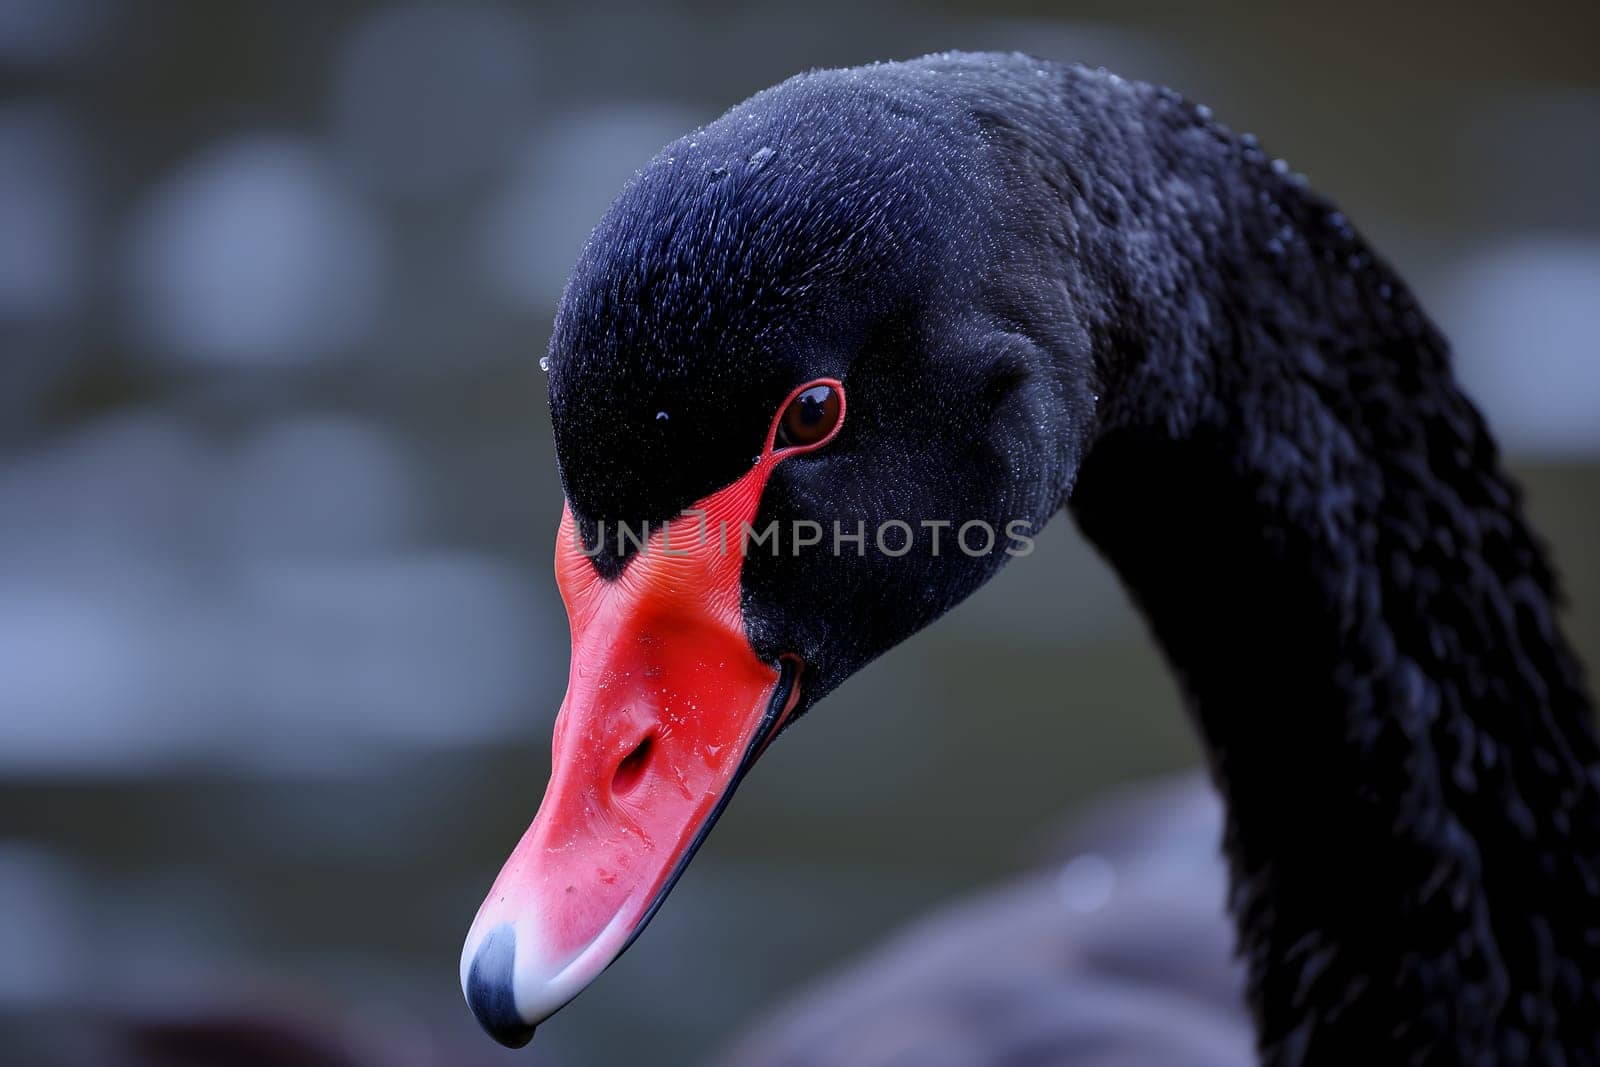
x=1315, y=521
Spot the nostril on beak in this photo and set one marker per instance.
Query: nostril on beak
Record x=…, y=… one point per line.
x=489, y=990
x=631, y=770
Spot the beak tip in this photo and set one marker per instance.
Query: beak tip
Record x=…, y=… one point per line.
x=490, y=992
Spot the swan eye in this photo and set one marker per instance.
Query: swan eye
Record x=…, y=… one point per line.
x=810, y=417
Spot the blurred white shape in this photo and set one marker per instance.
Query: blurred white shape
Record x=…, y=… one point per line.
x=566, y=177
x=432, y=649
x=161, y=607
x=127, y=485
x=1523, y=316
x=1086, y=883
x=99, y=671
x=253, y=253
x=107, y=654
x=427, y=96
x=299, y=667
x=43, y=947
x=43, y=211
x=49, y=31
x=316, y=485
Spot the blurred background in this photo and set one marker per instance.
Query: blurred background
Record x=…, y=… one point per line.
x=279, y=644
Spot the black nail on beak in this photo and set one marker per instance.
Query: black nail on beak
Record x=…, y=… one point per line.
x=489, y=991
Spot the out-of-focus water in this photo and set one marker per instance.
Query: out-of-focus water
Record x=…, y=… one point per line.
x=279, y=644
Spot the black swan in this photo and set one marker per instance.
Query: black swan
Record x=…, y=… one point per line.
x=869, y=307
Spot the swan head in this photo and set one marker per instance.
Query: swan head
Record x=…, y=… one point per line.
x=806, y=395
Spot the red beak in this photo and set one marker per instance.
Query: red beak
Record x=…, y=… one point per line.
x=667, y=707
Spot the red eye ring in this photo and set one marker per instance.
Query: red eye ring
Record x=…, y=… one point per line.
x=811, y=416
